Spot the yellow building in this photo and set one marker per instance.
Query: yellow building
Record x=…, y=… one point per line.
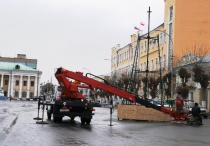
x=122, y=58
x=156, y=55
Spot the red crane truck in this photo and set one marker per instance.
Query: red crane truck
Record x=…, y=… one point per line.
x=73, y=104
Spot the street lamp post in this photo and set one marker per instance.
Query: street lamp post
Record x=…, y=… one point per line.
x=171, y=59
x=115, y=73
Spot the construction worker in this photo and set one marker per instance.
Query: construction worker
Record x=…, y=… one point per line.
x=196, y=113
x=179, y=103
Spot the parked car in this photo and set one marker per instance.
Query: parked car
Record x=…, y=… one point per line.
x=2, y=97
x=158, y=102
x=35, y=98
x=190, y=105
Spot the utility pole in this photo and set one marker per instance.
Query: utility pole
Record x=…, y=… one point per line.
x=161, y=78
x=148, y=39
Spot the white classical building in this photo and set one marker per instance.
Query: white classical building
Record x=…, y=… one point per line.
x=19, y=80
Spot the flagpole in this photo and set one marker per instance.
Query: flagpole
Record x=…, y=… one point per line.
x=147, y=71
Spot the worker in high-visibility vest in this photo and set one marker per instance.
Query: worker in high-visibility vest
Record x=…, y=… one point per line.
x=179, y=103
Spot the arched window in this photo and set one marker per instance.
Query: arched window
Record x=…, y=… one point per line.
x=16, y=93
x=31, y=94
x=24, y=94
x=17, y=67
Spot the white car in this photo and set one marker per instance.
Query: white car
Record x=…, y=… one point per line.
x=190, y=105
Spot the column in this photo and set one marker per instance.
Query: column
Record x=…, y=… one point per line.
x=20, y=86
x=38, y=86
x=35, y=86
x=12, y=85
x=28, y=87
x=8, y=90
x=2, y=79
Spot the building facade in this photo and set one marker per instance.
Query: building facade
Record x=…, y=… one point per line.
x=188, y=25
x=186, y=29
x=19, y=80
x=156, y=53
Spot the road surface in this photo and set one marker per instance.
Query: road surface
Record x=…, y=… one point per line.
x=19, y=129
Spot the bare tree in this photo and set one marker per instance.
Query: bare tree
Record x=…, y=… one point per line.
x=184, y=90
x=195, y=60
x=167, y=82
x=152, y=85
x=184, y=75
x=203, y=78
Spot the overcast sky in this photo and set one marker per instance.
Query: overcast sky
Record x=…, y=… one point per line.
x=74, y=34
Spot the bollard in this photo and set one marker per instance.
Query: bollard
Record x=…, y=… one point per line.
x=111, y=106
x=110, y=116
x=38, y=118
x=42, y=122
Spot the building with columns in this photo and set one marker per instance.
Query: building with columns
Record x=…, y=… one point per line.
x=19, y=80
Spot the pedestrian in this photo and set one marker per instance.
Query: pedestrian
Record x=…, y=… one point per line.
x=179, y=96
x=179, y=103
x=196, y=113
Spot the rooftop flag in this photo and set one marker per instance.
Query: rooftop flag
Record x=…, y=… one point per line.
x=142, y=23
x=136, y=28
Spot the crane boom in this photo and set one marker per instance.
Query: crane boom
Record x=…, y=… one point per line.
x=68, y=88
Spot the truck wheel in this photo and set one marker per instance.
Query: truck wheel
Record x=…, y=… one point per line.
x=59, y=119
x=83, y=120
x=72, y=118
x=49, y=116
x=55, y=119
x=197, y=122
x=205, y=116
x=88, y=121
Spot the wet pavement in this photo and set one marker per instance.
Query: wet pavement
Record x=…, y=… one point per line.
x=19, y=128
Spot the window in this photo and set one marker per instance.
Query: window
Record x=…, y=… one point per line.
x=17, y=67
x=144, y=65
x=145, y=46
x=24, y=83
x=164, y=60
x=24, y=94
x=16, y=93
x=161, y=39
x=17, y=83
x=31, y=94
x=6, y=82
x=32, y=83
x=157, y=64
x=170, y=34
x=171, y=13
x=142, y=47
x=164, y=38
x=152, y=42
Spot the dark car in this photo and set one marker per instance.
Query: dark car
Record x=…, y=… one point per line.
x=35, y=98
